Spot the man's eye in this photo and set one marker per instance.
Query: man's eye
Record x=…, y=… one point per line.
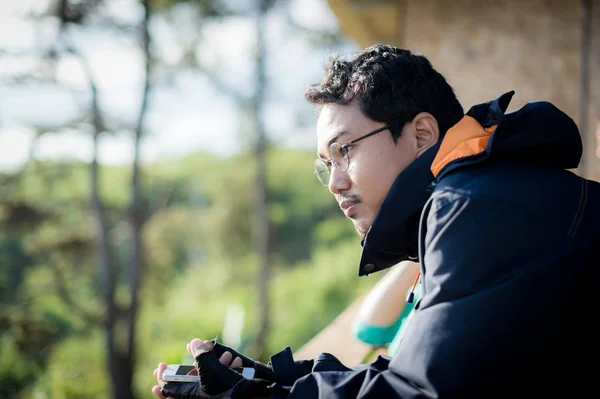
x=344, y=150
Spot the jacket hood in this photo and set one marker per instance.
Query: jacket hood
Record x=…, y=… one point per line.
x=537, y=133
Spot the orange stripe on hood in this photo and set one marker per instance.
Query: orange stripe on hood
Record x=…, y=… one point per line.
x=464, y=139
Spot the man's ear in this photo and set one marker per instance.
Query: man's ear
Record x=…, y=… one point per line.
x=427, y=131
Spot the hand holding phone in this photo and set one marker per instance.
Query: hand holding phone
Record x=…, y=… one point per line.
x=221, y=369
x=188, y=373
x=215, y=379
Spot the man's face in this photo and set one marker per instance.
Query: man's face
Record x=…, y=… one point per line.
x=375, y=161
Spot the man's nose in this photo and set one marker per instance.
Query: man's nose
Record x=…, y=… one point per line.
x=339, y=181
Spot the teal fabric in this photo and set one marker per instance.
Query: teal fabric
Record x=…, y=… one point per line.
x=376, y=335
x=384, y=335
x=395, y=344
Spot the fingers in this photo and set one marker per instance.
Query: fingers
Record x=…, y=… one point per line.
x=158, y=373
x=236, y=364
x=226, y=358
x=198, y=346
x=156, y=390
x=192, y=343
x=195, y=341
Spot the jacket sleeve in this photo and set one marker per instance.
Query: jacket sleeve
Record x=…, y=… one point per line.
x=489, y=292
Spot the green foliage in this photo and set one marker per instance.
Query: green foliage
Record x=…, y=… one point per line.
x=13, y=263
x=76, y=370
x=27, y=335
x=16, y=370
x=206, y=9
x=298, y=203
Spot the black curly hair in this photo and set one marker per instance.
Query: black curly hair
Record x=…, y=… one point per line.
x=391, y=85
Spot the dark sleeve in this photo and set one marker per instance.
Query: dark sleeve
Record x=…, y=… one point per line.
x=491, y=293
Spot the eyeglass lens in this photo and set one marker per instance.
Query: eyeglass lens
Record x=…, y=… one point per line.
x=339, y=160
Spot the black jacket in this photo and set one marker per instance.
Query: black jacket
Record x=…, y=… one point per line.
x=509, y=245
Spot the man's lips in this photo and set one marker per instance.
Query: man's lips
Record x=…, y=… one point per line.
x=348, y=207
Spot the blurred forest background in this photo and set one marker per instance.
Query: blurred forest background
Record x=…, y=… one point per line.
x=107, y=268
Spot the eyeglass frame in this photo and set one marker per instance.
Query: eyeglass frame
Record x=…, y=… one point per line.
x=344, y=148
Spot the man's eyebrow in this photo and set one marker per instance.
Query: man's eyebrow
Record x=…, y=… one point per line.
x=334, y=139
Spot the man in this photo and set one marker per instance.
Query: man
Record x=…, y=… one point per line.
x=508, y=241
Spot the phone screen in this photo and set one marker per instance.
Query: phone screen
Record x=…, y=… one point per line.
x=183, y=369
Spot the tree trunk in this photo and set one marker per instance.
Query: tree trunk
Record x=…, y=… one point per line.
x=121, y=375
x=119, y=368
x=121, y=354
x=262, y=214
x=137, y=209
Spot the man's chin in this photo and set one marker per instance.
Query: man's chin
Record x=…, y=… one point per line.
x=361, y=228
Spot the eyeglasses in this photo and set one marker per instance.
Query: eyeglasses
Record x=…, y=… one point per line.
x=339, y=157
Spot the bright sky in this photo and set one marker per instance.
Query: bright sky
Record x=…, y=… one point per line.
x=187, y=113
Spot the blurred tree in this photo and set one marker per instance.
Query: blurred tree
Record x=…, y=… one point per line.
x=28, y=331
x=120, y=277
x=120, y=319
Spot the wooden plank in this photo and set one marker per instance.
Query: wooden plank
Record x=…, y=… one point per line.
x=337, y=339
